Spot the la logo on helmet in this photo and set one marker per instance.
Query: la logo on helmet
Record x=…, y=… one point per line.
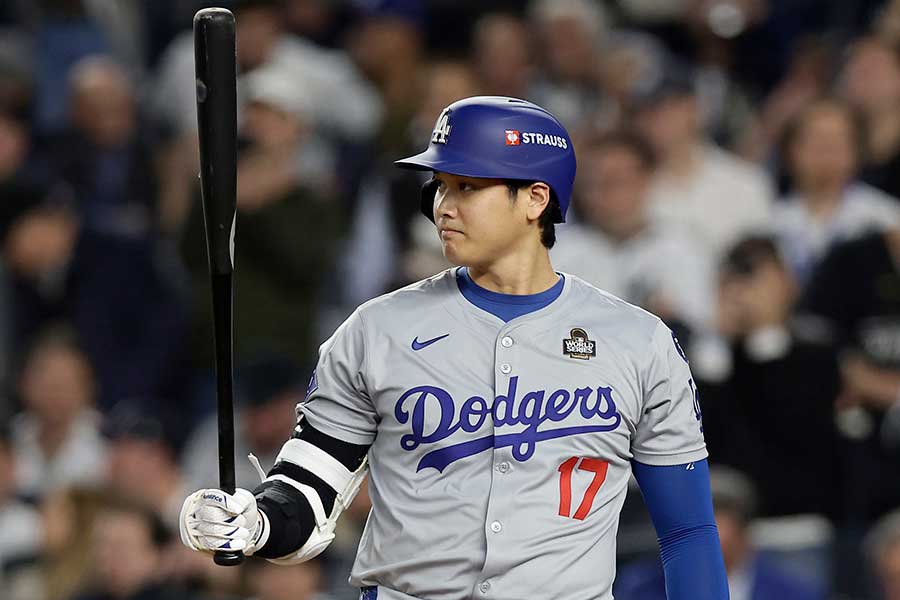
x=441, y=128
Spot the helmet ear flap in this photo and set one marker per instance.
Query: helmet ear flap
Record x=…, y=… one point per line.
x=429, y=189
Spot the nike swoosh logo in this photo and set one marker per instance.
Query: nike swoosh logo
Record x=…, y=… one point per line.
x=417, y=345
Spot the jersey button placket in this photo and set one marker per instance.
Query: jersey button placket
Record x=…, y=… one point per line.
x=496, y=545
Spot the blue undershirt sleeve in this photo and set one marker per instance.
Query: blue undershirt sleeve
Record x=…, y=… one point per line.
x=680, y=504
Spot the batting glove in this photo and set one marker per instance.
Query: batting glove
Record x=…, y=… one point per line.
x=213, y=520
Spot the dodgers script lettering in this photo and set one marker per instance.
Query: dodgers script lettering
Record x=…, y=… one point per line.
x=535, y=409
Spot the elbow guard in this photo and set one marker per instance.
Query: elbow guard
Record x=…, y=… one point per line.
x=344, y=482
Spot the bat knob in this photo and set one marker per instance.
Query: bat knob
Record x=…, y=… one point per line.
x=228, y=558
x=213, y=14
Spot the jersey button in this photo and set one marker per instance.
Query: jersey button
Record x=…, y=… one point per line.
x=506, y=342
x=503, y=467
x=485, y=587
x=505, y=368
x=496, y=526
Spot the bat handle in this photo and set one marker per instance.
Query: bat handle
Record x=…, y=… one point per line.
x=222, y=316
x=228, y=558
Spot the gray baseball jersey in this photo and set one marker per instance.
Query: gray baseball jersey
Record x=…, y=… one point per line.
x=500, y=452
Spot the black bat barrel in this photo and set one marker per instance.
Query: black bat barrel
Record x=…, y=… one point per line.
x=216, y=68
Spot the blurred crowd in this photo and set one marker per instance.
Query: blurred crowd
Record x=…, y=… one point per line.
x=739, y=175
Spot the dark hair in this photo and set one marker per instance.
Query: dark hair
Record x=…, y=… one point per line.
x=130, y=420
x=748, y=253
x=549, y=217
x=56, y=334
x=626, y=139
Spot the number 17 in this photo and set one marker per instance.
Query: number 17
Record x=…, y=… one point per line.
x=597, y=467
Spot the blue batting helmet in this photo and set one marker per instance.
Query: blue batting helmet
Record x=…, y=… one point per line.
x=497, y=137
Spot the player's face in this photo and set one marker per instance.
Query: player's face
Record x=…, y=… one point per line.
x=477, y=220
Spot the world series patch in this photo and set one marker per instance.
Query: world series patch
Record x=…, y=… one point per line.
x=579, y=346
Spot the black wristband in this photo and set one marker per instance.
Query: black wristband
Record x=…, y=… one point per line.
x=291, y=519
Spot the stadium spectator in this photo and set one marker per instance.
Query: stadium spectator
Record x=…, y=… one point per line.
x=870, y=81
x=615, y=246
x=38, y=246
x=142, y=462
x=715, y=195
x=503, y=63
x=104, y=157
x=569, y=34
x=852, y=296
x=750, y=415
x=825, y=203
x=57, y=437
x=126, y=548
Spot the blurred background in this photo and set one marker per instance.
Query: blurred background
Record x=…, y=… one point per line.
x=739, y=175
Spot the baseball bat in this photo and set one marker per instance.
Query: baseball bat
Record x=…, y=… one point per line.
x=215, y=63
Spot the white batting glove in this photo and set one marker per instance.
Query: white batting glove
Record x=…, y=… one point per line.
x=213, y=520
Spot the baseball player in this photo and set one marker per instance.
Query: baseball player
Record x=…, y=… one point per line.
x=499, y=408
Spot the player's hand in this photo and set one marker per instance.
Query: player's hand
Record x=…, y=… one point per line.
x=213, y=520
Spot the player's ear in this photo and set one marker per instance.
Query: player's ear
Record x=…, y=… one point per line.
x=538, y=199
